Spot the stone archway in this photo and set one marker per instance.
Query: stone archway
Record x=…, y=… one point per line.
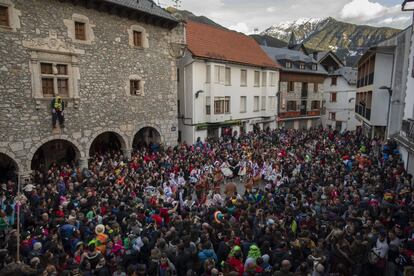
x=9, y=168
x=108, y=141
x=147, y=136
x=55, y=151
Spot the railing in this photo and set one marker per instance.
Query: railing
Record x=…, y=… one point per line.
x=314, y=113
x=301, y=113
x=407, y=129
x=289, y=114
x=363, y=111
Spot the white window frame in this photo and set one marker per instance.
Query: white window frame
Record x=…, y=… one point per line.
x=264, y=78
x=272, y=79
x=219, y=74
x=256, y=104
x=223, y=105
x=256, y=78
x=243, y=104
x=288, y=64
x=263, y=104
x=227, y=76
x=243, y=77
x=272, y=103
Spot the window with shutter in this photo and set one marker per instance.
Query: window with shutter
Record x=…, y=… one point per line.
x=137, y=39
x=333, y=97
x=135, y=87
x=80, y=31
x=243, y=77
x=55, y=79
x=291, y=86
x=256, y=103
x=4, y=16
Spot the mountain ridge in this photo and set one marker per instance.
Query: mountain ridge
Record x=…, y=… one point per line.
x=349, y=41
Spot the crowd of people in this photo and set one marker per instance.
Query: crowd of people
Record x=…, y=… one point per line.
x=277, y=202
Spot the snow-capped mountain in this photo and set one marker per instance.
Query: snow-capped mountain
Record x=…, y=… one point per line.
x=302, y=28
x=347, y=40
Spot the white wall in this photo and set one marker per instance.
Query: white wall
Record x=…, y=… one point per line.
x=193, y=78
x=380, y=97
x=409, y=97
x=343, y=107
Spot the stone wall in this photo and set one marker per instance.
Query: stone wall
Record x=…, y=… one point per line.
x=296, y=94
x=102, y=69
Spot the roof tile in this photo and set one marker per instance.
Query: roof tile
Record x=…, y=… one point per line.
x=207, y=41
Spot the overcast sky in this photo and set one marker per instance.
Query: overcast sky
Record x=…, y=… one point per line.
x=246, y=15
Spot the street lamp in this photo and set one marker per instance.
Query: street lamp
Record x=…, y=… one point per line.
x=198, y=93
x=408, y=5
x=389, y=106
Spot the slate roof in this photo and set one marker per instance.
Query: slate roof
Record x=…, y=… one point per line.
x=349, y=73
x=322, y=55
x=147, y=6
x=206, y=41
x=280, y=54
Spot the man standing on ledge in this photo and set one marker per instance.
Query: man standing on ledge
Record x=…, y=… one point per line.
x=57, y=111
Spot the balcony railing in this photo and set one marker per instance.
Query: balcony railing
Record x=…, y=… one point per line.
x=314, y=113
x=363, y=111
x=301, y=113
x=407, y=129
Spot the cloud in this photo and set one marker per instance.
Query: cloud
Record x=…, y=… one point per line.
x=394, y=20
x=271, y=9
x=363, y=9
x=240, y=27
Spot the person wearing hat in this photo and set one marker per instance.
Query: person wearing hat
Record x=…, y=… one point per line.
x=101, y=238
x=58, y=107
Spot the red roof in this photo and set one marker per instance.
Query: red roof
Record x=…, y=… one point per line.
x=206, y=41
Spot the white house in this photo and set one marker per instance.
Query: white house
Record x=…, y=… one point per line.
x=339, y=99
x=226, y=84
x=339, y=93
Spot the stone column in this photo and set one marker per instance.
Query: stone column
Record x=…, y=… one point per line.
x=24, y=178
x=127, y=153
x=83, y=163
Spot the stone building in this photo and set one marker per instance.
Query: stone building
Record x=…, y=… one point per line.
x=112, y=62
x=301, y=87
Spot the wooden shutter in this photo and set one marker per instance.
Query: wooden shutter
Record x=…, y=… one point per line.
x=137, y=39
x=80, y=31
x=4, y=16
